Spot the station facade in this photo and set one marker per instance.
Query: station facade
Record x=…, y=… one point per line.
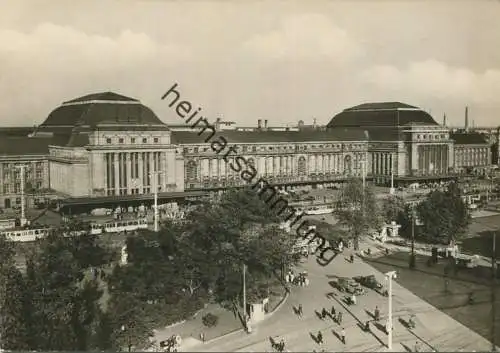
x=106, y=145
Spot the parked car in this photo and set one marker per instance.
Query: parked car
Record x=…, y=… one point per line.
x=368, y=282
x=347, y=285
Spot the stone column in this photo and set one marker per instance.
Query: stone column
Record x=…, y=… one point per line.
x=117, y=171
x=163, y=172
x=129, y=173
x=141, y=173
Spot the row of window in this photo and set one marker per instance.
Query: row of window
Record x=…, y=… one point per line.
x=285, y=148
x=11, y=166
x=7, y=188
x=109, y=140
x=17, y=175
x=431, y=137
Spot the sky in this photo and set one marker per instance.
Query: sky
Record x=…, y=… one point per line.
x=283, y=61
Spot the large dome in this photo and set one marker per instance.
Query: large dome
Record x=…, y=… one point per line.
x=387, y=114
x=101, y=108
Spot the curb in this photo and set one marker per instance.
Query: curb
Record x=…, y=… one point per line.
x=280, y=304
x=183, y=321
x=268, y=315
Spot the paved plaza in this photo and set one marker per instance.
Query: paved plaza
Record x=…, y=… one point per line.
x=434, y=330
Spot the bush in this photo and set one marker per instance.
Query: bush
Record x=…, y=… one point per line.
x=210, y=320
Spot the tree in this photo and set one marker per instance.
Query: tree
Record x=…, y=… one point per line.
x=63, y=305
x=393, y=208
x=357, y=209
x=129, y=322
x=13, y=331
x=444, y=214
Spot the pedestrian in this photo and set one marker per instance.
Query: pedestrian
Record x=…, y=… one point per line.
x=353, y=299
x=342, y=335
x=367, y=326
x=299, y=310
x=282, y=345
x=323, y=313
x=339, y=318
x=352, y=258
x=202, y=337
x=320, y=337
x=417, y=347
x=377, y=313
x=333, y=311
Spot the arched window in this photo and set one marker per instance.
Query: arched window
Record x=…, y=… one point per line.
x=191, y=170
x=348, y=165
x=301, y=167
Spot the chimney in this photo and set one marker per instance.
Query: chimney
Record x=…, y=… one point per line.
x=466, y=119
x=444, y=119
x=314, y=123
x=265, y=124
x=259, y=124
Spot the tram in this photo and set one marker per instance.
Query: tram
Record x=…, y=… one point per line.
x=317, y=210
x=25, y=235
x=118, y=226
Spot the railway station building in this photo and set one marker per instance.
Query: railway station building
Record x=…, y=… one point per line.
x=109, y=149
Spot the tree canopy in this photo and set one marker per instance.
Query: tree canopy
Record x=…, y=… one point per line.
x=59, y=303
x=444, y=214
x=357, y=210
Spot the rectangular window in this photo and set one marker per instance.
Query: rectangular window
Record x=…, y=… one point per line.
x=132, y=140
x=39, y=174
x=108, y=140
x=120, y=140
x=144, y=140
x=155, y=140
x=6, y=188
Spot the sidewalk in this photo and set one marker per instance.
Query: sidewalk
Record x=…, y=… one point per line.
x=434, y=330
x=229, y=322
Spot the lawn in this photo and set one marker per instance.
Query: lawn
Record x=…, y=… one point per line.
x=429, y=284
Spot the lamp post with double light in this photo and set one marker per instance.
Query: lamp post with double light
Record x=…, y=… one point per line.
x=389, y=277
x=154, y=176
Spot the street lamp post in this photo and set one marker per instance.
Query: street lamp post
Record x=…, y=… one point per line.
x=129, y=345
x=412, y=256
x=392, y=190
x=390, y=276
x=22, y=169
x=493, y=294
x=154, y=176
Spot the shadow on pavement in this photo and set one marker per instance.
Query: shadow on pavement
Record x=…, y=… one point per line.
x=408, y=349
x=370, y=314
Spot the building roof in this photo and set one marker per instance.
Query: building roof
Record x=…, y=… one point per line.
x=16, y=131
x=100, y=108
x=236, y=136
x=385, y=134
x=382, y=105
x=381, y=114
x=104, y=96
x=468, y=138
x=24, y=146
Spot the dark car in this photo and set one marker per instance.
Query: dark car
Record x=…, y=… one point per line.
x=368, y=282
x=347, y=285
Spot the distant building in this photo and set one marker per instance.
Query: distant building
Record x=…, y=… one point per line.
x=472, y=153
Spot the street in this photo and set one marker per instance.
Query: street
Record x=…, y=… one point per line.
x=434, y=330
